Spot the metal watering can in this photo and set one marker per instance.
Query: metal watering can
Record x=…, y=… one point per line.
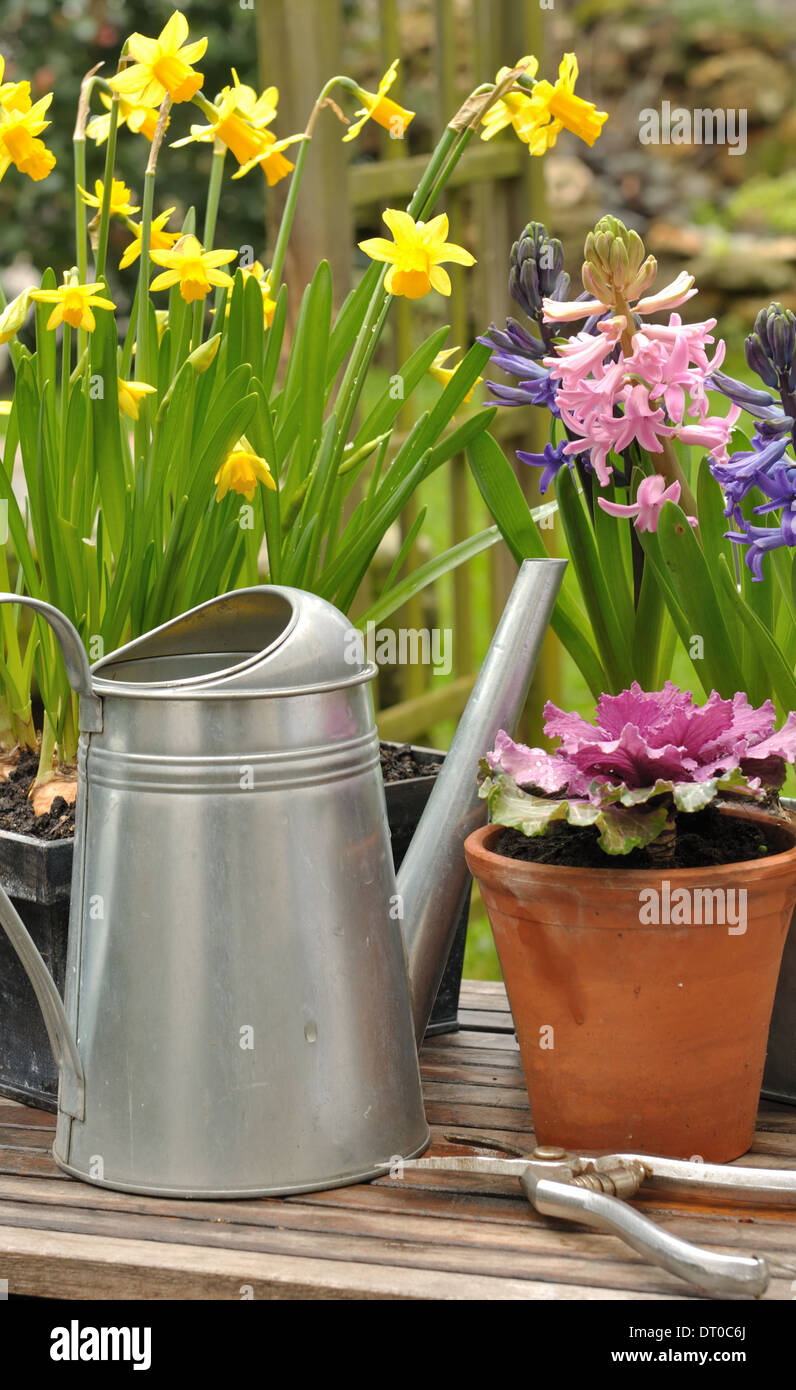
x=245, y=979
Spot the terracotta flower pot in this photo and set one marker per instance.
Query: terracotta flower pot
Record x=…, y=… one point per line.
x=636, y=1036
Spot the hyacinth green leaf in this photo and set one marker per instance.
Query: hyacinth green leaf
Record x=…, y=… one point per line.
x=647, y=631
x=758, y=593
x=498, y=485
x=783, y=566
x=767, y=655
x=692, y=582
x=680, y=623
x=610, y=635
x=712, y=521
x=611, y=534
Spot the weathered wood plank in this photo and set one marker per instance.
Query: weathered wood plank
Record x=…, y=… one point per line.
x=67, y=1265
x=430, y=1235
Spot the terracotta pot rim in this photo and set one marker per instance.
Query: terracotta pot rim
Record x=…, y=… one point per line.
x=481, y=860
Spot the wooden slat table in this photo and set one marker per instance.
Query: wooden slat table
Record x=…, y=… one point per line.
x=435, y=1236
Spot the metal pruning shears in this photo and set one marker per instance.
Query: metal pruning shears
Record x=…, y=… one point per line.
x=592, y=1191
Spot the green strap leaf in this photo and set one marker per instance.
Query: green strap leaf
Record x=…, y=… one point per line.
x=693, y=584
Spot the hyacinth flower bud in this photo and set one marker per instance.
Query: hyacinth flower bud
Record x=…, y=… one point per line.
x=537, y=270
x=758, y=360
x=616, y=262
x=771, y=346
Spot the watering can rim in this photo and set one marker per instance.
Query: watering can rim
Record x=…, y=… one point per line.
x=215, y=685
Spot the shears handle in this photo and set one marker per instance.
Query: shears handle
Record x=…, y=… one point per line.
x=718, y=1276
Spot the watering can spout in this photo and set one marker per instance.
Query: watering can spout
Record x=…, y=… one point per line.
x=433, y=879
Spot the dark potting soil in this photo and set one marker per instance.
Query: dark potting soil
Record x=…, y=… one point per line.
x=398, y=764
x=703, y=838
x=17, y=814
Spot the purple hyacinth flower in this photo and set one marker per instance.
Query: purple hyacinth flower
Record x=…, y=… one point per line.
x=760, y=404
x=761, y=539
x=551, y=459
x=779, y=485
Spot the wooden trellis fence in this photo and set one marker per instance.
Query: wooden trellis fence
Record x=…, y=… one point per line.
x=496, y=189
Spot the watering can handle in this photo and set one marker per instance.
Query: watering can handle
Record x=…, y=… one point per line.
x=71, y=1092
x=75, y=659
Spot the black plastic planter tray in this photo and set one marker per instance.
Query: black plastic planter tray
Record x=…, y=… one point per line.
x=406, y=801
x=37, y=875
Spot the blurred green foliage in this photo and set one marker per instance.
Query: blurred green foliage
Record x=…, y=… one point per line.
x=766, y=204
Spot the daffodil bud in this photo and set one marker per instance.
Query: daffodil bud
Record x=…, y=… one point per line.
x=205, y=355
x=13, y=316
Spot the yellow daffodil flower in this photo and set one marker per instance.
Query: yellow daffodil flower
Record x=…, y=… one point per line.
x=14, y=96
x=131, y=394
x=162, y=65
x=73, y=305
x=137, y=117
x=415, y=254
x=270, y=158
x=159, y=240
x=242, y=120
x=559, y=107
x=444, y=374
x=538, y=116
x=13, y=316
x=240, y=472
x=378, y=107
x=121, y=204
x=257, y=272
x=515, y=108
x=193, y=269
x=19, y=144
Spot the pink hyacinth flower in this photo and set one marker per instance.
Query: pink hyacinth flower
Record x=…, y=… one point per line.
x=565, y=311
x=713, y=433
x=651, y=495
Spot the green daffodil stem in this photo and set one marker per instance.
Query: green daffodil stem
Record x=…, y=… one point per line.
x=81, y=238
x=459, y=146
x=440, y=167
x=66, y=368
x=214, y=194
x=142, y=363
x=79, y=174
x=289, y=210
x=47, y=750
x=107, y=188
x=209, y=232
